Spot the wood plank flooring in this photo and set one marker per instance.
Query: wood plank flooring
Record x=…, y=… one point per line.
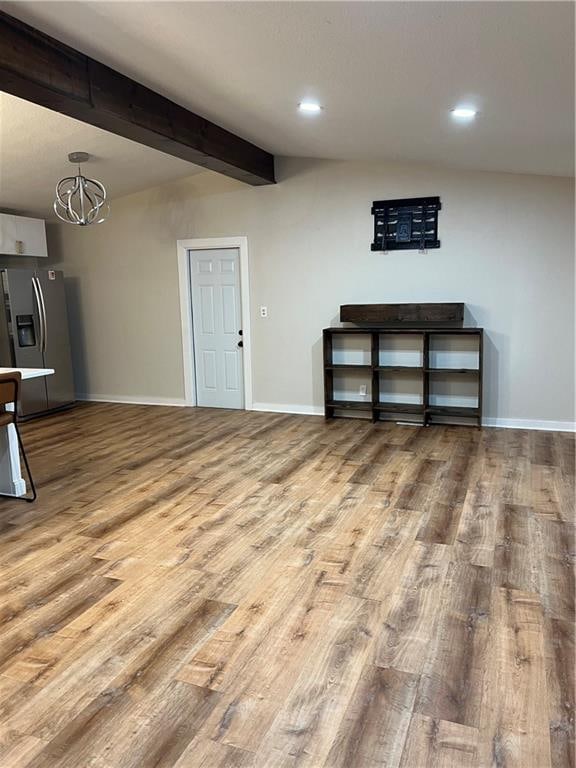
x=214, y=589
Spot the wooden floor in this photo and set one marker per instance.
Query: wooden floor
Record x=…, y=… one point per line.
x=214, y=589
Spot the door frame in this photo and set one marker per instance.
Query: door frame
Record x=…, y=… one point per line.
x=184, y=280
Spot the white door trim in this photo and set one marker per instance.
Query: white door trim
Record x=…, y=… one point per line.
x=202, y=244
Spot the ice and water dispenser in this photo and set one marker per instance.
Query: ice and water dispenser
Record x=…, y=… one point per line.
x=25, y=331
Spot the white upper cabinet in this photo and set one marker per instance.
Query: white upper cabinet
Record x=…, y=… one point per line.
x=22, y=236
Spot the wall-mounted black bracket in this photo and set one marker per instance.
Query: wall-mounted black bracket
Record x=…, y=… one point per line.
x=409, y=224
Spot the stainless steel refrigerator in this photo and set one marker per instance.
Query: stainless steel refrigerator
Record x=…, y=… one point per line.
x=34, y=334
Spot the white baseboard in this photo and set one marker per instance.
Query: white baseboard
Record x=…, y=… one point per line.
x=180, y=402
x=315, y=410
x=548, y=426
x=302, y=410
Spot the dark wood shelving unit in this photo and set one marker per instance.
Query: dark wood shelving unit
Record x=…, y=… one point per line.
x=398, y=368
x=473, y=371
x=451, y=410
x=428, y=412
x=400, y=407
x=358, y=405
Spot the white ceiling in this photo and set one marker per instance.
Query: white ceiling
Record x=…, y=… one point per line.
x=34, y=147
x=387, y=74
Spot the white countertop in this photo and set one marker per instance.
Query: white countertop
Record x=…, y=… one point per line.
x=29, y=373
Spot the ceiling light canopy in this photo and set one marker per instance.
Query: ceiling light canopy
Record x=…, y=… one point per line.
x=310, y=107
x=464, y=113
x=80, y=200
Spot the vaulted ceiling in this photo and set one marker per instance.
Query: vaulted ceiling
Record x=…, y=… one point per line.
x=386, y=73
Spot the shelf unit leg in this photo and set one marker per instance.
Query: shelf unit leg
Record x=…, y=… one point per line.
x=425, y=376
x=375, y=355
x=328, y=375
x=480, y=376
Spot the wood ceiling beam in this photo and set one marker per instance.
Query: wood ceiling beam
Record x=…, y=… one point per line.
x=40, y=69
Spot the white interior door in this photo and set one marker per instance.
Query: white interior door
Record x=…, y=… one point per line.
x=217, y=324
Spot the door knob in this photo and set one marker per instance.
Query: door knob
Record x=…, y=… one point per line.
x=240, y=343
x=240, y=332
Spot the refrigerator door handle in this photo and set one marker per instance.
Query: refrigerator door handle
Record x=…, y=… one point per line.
x=40, y=312
x=45, y=320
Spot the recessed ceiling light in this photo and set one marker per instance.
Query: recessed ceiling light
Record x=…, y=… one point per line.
x=310, y=107
x=464, y=113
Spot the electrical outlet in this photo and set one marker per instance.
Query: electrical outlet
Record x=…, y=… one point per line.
x=363, y=390
x=263, y=311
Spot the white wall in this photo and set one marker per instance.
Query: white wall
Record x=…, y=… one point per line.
x=507, y=251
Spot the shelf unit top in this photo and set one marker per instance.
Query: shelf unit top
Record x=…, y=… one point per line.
x=389, y=329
